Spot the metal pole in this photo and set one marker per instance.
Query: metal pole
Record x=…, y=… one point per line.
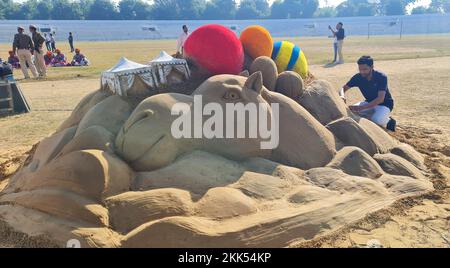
x=401, y=28
x=368, y=30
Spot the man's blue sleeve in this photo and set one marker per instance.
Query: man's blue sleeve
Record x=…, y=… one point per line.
x=353, y=82
x=383, y=83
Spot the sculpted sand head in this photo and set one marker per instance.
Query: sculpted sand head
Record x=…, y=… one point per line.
x=146, y=140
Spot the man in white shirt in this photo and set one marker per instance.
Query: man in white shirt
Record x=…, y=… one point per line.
x=181, y=40
x=48, y=42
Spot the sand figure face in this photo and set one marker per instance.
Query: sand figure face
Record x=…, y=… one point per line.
x=146, y=140
x=231, y=93
x=114, y=175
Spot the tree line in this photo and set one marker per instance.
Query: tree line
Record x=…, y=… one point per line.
x=203, y=9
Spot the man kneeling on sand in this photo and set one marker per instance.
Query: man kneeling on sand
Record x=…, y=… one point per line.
x=374, y=87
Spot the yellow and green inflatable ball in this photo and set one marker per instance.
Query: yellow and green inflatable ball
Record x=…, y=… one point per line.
x=289, y=57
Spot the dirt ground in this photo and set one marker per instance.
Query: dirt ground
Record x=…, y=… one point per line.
x=51, y=102
x=417, y=222
x=421, y=90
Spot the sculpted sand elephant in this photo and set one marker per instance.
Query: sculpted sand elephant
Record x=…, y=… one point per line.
x=147, y=142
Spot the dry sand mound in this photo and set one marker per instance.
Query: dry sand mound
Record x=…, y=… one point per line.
x=111, y=176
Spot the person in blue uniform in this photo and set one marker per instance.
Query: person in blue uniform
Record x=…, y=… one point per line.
x=374, y=87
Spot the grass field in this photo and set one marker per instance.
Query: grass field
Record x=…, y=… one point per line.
x=104, y=55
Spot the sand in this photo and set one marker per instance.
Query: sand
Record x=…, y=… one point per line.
x=396, y=226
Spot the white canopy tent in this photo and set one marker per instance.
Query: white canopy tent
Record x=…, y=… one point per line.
x=121, y=78
x=164, y=64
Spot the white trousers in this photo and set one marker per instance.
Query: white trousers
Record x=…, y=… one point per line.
x=39, y=62
x=339, y=45
x=24, y=58
x=380, y=114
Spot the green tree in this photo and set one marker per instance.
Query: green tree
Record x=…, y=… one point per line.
x=7, y=7
x=102, y=10
x=220, y=9
x=2, y=11
x=25, y=11
x=277, y=10
x=253, y=9
x=134, y=10
x=85, y=6
x=351, y=8
x=65, y=10
x=263, y=7
x=346, y=9
x=395, y=7
x=247, y=10
x=294, y=8
x=78, y=11
x=43, y=11
x=178, y=9
x=191, y=9
x=366, y=9
x=420, y=10
x=441, y=6
x=325, y=12
x=165, y=10
x=309, y=7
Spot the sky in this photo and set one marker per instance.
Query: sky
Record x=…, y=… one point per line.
x=322, y=2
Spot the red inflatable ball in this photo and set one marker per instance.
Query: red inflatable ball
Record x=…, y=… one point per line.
x=216, y=49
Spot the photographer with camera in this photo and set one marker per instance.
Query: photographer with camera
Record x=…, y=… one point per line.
x=339, y=36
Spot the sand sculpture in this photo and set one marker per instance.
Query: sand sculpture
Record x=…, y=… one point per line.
x=113, y=176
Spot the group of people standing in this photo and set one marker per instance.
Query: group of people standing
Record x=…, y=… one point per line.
x=25, y=47
x=50, y=42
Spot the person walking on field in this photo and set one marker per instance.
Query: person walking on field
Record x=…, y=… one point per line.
x=181, y=40
x=38, y=41
x=22, y=45
x=72, y=49
x=373, y=85
x=48, y=42
x=52, y=42
x=339, y=36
